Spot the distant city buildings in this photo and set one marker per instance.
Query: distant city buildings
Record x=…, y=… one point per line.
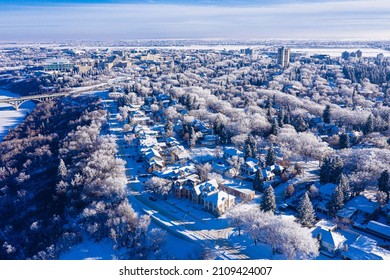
x=58, y=65
x=284, y=57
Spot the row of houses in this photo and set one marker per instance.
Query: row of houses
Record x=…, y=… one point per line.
x=157, y=152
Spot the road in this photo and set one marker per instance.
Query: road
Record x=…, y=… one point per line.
x=173, y=219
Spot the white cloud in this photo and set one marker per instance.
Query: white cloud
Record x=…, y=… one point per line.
x=338, y=19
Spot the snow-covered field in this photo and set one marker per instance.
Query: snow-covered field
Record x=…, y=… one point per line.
x=9, y=117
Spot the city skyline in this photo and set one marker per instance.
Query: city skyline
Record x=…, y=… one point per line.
x=127, y=20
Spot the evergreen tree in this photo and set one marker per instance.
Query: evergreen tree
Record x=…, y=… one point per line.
x=62, y=170
x=337, y=201
x=336, y=166
x=326, y=114
x=300, y=124
x=384, y=184
x=287, y=116
x=270, y=158
x=281, y=117
x=250, y=147
x=344, y=142
x=305, y=211
x=345, y=187
x=258, y=183
x=248, y=151
x=274, y=127
x=268, y=202
x=325, y=171
x=369, y=125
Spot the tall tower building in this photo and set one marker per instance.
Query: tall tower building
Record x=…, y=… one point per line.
x=283, y=56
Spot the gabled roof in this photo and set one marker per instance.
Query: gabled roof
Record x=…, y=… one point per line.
x=219, y=197
x=379, y=228
x=206, y=187
x=327, y=190
x=365, y=248
x=363, y=204
x=332, y=238
x=231, y=151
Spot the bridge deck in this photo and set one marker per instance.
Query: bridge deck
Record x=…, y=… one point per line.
x=32, y=97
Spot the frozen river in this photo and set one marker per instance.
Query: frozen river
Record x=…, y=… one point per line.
x=9, y=117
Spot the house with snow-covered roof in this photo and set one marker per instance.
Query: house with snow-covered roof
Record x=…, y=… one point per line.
x=201, y=191
x=230, y=152
x=249, y=167
x=331, y=242
x=184, y=186
x=366, y=208
x=218, y=202
x=378, y=229
x=365, y=248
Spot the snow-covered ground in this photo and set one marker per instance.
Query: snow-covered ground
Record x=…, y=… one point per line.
x=9, y=117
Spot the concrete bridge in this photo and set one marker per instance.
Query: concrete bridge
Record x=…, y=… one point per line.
x=16, y=102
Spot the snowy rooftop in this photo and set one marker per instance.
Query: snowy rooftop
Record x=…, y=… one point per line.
x=379, y=228
x=325, y=224
x=327, y=190
x=365, y=248
x=330, y=237
x=363, y=204
x=219, y=197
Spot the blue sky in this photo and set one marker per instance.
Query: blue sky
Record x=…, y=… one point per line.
x=47, y=20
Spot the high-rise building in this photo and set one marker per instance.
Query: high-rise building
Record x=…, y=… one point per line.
x=283, y=56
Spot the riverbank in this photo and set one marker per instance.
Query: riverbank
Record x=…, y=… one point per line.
x=9, y=117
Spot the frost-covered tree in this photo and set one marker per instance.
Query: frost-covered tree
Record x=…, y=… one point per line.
x=284, y=236
x=337, y=201
x=236, y=218
x=159, y=186
x=62, y=170
x=268, y=202
x=345, y=187
x=203, y=170
x=305, y=212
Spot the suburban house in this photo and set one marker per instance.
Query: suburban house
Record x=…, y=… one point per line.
x=243, y=193
x=365, y=208
x=379, y=229
x=330, y=242
x=219, y=168
x=230, y=152
x=365, y=248
x=249, y=167
x=201, y=191
x=180, y=153
x=267, y=175
x=219, y=202
x=183, y=186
